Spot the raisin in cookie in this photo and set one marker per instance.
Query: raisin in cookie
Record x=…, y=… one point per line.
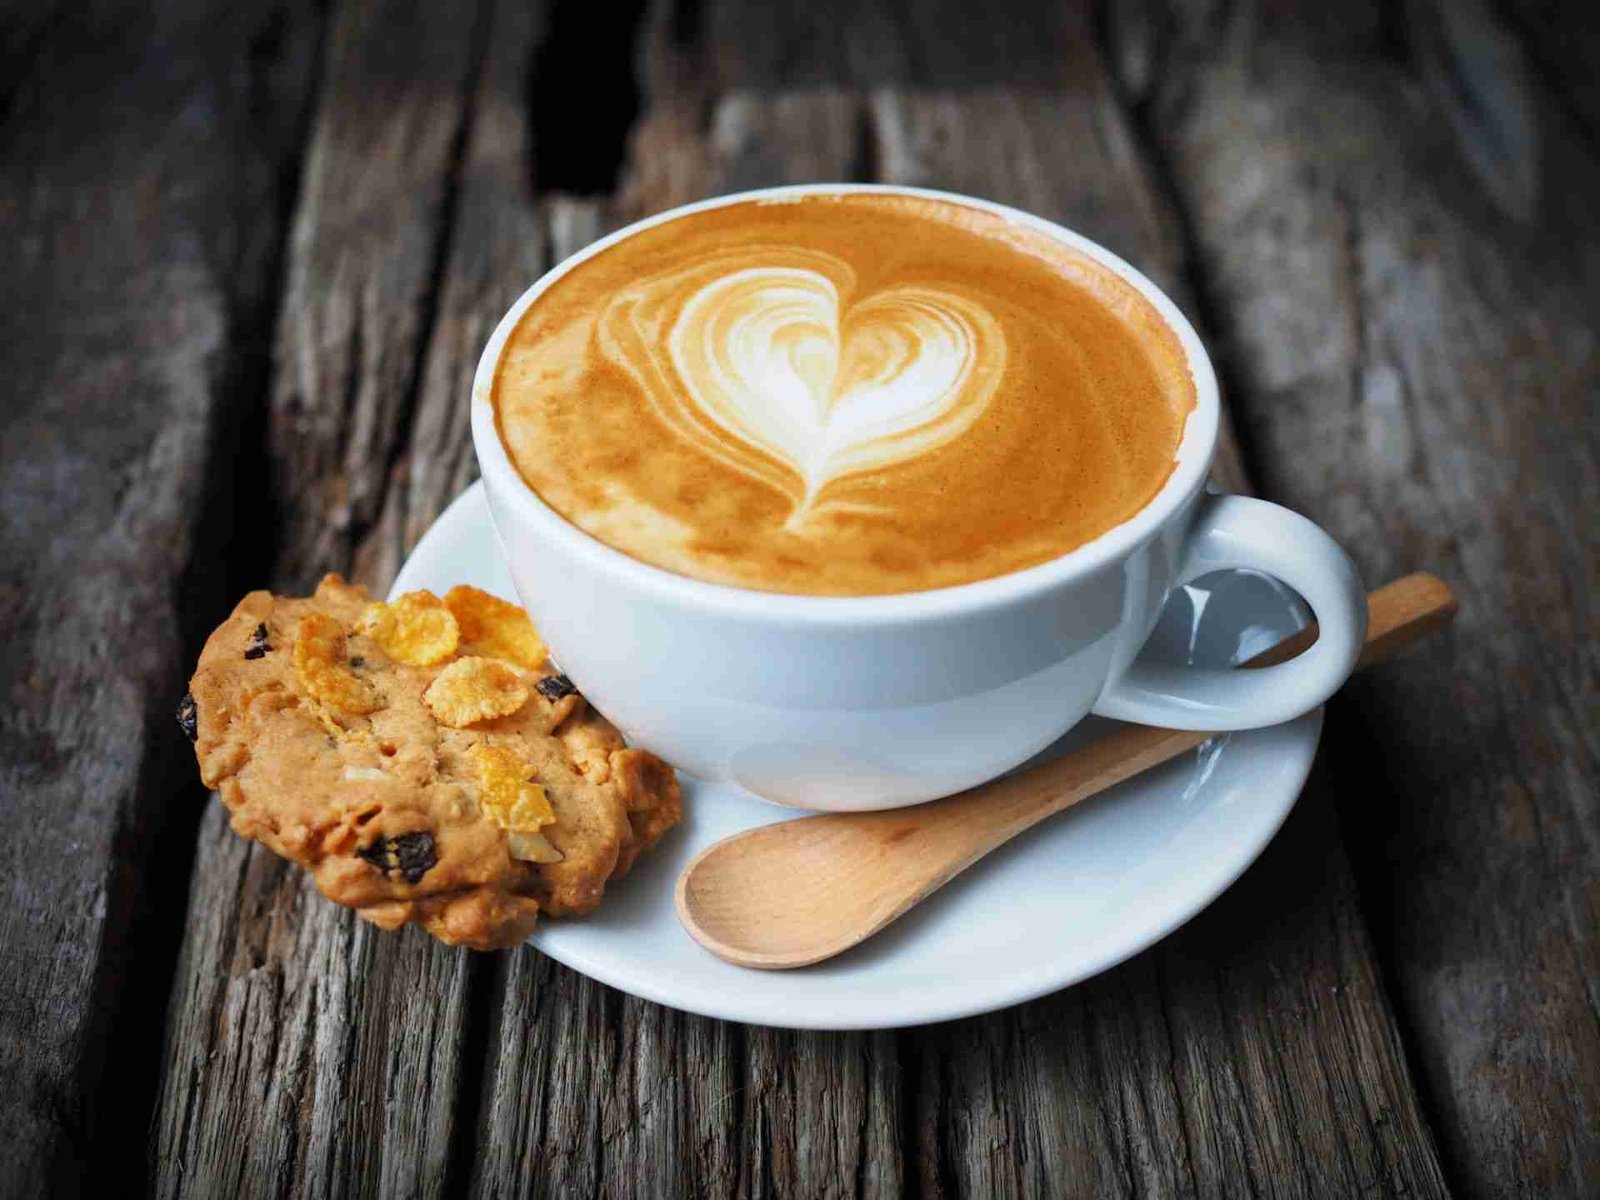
x=420, y=759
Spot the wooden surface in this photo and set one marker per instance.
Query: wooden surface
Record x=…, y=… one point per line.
x=252, y=254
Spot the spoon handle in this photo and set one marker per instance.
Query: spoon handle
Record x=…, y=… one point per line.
x=1399, y=613
x=889, y=860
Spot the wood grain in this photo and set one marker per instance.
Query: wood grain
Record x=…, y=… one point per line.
x=1412, y=365
x=305, y=1051
x=252, y=255
x=140, y=163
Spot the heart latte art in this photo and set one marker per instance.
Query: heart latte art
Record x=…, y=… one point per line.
x=842, y=394
x=773, y=370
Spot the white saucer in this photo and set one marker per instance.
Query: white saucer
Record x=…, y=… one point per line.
x=1079, y=894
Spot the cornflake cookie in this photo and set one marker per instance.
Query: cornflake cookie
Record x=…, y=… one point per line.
x=421, y=759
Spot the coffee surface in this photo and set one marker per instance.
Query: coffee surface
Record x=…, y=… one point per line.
x=842, y=394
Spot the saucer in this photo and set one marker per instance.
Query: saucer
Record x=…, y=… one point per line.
x=1076, y=895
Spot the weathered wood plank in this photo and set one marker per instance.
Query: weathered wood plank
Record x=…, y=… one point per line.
x=139, y=207
x=498, y=245
x=1176, y=1074
x=822, y=1115
x=1242, y=1055
x=589, y=1091
x=363, y=283
x=594, y=1092
x=1289, y=1069
x=306, y=1052
x=1413, y=355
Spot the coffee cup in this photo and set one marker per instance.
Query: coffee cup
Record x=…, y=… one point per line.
x=854, y=702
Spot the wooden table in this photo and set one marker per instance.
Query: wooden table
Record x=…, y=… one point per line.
x=251, y=255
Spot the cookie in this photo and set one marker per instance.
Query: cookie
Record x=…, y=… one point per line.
x=421, y=760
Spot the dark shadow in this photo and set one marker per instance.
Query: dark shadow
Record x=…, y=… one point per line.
x=584, y=95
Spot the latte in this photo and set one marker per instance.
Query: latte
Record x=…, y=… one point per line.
x=845, y=394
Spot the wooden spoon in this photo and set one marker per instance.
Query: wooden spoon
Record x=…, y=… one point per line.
x=797, y=892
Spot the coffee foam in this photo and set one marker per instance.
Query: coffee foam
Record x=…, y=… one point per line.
x=842, y=394
x=763, y=368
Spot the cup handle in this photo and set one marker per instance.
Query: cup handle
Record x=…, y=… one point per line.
x=1237, y=531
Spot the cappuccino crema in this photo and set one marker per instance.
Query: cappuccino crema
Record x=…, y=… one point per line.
x=843, y=394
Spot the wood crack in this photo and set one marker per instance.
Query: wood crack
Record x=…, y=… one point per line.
x=1185, y=1121
x=585, y=49
x=483, y=991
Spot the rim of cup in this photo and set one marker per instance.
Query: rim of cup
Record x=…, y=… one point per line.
x=1194, y=454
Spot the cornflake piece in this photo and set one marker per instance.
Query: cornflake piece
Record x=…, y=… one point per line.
x=495, y=629
x=474, y=689
x=514, y=802
x=320, y=663
x=415, y=628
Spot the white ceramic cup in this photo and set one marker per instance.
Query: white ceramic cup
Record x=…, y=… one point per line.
x=868, y=702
